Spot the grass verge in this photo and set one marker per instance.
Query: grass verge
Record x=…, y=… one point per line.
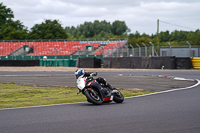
x=13, y=95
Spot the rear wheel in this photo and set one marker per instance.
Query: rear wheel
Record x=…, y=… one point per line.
x=118, y=97
x=93, y=97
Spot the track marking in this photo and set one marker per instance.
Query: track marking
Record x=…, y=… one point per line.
x=41, y=106
x=198, y=83
x=178, y=89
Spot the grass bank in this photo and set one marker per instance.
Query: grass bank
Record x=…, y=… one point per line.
x=13, y=95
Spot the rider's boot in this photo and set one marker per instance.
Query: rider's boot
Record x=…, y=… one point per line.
x=114, y=90
x=110, y=87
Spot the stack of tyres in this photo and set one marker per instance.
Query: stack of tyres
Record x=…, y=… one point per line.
x=196, y=63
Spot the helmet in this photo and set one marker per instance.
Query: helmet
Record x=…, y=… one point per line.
x=79, y=72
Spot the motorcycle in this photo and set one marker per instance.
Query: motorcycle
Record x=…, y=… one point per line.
x=97, y=93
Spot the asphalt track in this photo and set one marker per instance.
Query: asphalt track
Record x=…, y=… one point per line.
x=135, y=79
x=174, y=111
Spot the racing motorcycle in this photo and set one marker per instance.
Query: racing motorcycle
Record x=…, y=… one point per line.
x=97, y=93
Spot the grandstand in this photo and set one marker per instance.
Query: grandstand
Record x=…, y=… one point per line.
x=110, y=48
x=59, y=48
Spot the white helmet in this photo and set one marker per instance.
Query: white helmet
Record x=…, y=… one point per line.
x=79, y=72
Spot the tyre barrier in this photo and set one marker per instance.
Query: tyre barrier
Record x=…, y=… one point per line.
x=113, y=62
x=196, y=63
x=88, y=62
x=19, y=62
x=147, y=62
x=183, y=63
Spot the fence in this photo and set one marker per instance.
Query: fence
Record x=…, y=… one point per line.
x=130, y=51
x=150, y=51
x=180, y=51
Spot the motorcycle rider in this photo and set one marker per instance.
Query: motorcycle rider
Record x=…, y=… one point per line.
x=81, y=73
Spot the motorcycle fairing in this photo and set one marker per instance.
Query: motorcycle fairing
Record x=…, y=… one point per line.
x=108, y=98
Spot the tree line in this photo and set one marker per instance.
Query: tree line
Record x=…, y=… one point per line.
x=176, y=38
x=52, y=29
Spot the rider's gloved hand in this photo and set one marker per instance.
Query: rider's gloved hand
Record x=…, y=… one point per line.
x=93, y=74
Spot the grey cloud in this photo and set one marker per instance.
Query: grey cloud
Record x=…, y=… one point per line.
x=140, y=15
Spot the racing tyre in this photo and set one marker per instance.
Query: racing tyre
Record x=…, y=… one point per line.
x=93, y=97
x=118, y=97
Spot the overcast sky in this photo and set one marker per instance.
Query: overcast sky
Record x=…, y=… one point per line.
x=139, y=15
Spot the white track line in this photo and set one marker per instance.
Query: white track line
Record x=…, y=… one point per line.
x=41, y=106
x=178, y=89
x=198, y=83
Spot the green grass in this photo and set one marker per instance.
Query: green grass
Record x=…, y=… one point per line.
x=13, y=95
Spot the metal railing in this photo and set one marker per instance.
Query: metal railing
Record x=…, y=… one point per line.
x=142, y=51
x=130, y=51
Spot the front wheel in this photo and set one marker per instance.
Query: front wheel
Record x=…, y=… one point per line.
x=118, y=97
x=93, y=97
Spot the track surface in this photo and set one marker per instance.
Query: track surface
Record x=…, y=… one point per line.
x=172, y=112
x=133, y=79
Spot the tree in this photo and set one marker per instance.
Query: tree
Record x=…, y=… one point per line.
x=10, y=29
x=108, y=36
x=13, y=30
x=164, y=36
x=119, y=28
x=5, y=14
x=98, y=29
x=137, y=34
x=194, y=37
x=49, y=29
